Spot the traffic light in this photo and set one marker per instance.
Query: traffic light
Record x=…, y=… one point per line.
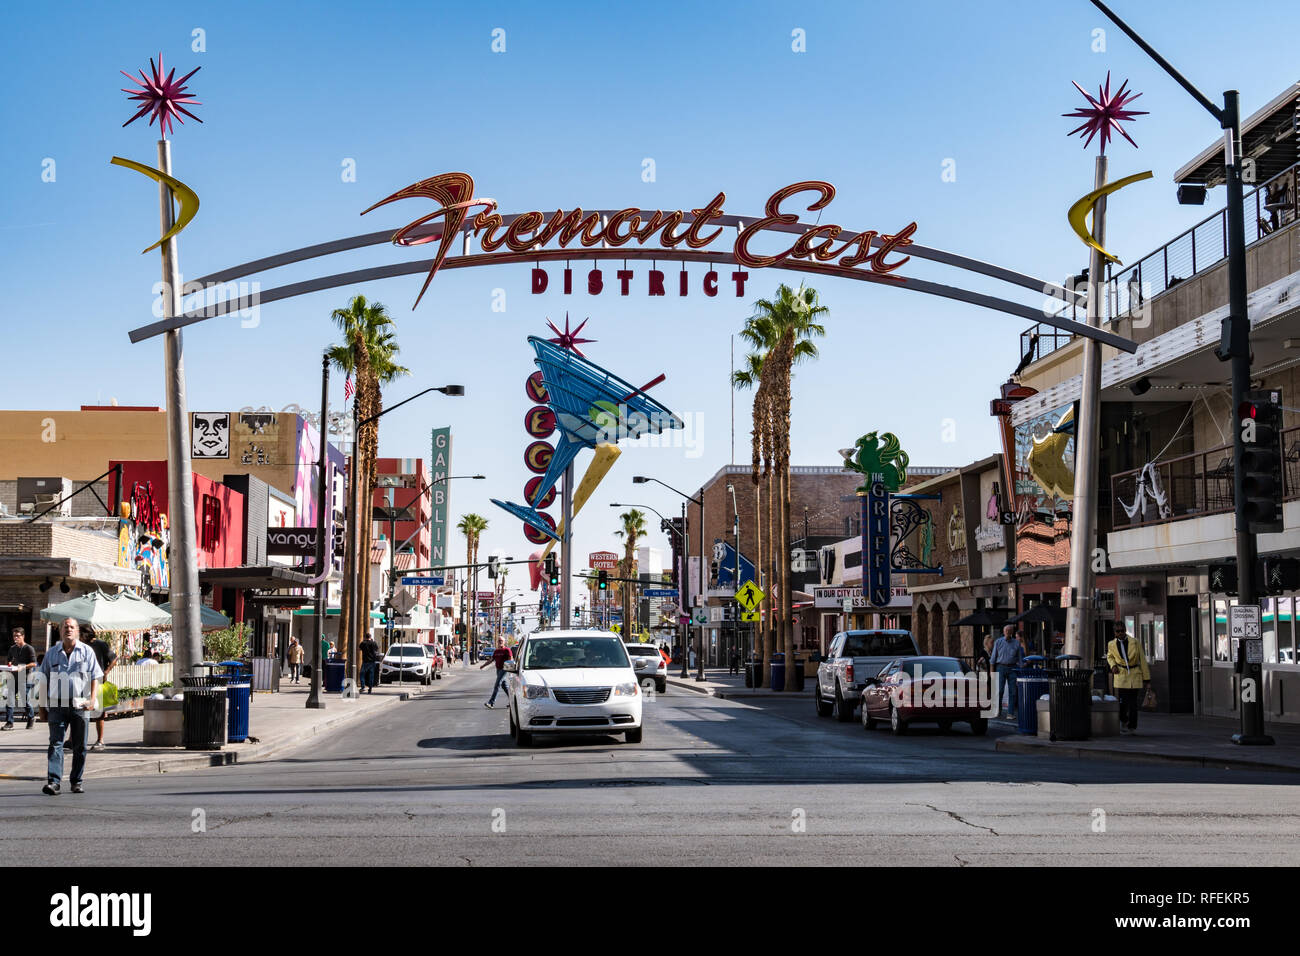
x=602, y=580
x=512, y=607
x=1260, y=420
x=552, y=570
x=1281, y=576
x=492, y=565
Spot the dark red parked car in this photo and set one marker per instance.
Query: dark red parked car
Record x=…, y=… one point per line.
x=939, y=690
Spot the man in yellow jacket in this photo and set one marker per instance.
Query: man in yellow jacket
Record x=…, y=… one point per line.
x=1128, y=665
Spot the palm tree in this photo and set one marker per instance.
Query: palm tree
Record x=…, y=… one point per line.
x=632, y=531
x=756, y=334
x=368, y=351
x=788, y=323
x=472, y=527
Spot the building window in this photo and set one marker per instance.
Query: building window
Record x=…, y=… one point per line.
x=1222, y=644
x=1286, y=642
x=1268, y=628
x=1149, y=629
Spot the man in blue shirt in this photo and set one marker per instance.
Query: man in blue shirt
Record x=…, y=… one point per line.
x=1008, y=653
x=71, y=675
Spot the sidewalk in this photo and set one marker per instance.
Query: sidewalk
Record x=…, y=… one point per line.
x=1174, y=738
x=719, y=683
x=277, y=721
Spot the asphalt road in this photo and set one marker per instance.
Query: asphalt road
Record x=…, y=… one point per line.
x=439, y=781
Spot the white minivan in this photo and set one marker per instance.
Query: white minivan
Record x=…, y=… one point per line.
x=577, y=682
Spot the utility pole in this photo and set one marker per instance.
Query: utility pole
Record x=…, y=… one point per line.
x=1235, y=347
x=314, y=701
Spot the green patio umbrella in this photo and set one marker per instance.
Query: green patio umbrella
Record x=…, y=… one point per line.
x=210, y=619
x=109, y=612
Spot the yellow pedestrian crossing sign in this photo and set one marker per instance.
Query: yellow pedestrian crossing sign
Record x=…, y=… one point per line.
x=749, y=596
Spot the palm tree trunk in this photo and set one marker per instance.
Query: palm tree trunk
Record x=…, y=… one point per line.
x=345, y=593
x=760, y=649
x=787, y=593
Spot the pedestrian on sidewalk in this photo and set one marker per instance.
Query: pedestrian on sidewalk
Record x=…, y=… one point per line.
x=984, y=653
x=23, y=655
x=499, y=658
x=295, y=661
x=692, y=658
x=72, y=675
x=735, y=661
x=369, y=663
x=1008, y=653
x=107, y=659
x=1128, y=668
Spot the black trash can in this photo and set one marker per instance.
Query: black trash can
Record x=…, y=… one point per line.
x=203, y=712
x=1070, y=691
x=754, y=673
x=796, y=674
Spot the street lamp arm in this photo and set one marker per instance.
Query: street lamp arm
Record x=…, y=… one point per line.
x=391, y=408
x=669, y=524
x=699, y=501
x=1164, y=64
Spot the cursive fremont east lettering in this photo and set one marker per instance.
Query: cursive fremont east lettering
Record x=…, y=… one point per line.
x=531, y=231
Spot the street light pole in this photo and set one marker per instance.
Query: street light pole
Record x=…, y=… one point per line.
x=314, y=701
x=699, y=640
x=1234, y=346
x=360, y=562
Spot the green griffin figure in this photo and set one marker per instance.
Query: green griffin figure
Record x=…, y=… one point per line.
x=888, y=460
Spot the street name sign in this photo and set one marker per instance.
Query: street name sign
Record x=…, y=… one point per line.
x=660, y=592
x=423, y=582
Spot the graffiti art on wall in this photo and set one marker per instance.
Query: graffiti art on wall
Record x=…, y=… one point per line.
x=142, y=537
x=210, y=435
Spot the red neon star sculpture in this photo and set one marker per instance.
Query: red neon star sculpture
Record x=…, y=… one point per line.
x=566, y=339
x=1105, y=113
x=163, y=98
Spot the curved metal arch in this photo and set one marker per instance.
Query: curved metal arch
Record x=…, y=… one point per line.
x=391, y=270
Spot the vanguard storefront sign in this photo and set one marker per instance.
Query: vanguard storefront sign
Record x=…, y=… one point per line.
x=530, y=232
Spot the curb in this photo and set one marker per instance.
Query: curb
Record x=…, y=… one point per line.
x=691, y=685
x=1137, y=756
x=226, y=758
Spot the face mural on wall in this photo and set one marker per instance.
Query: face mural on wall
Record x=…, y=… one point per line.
x=210, y=435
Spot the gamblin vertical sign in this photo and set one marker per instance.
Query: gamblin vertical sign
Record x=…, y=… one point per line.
x=440, y=488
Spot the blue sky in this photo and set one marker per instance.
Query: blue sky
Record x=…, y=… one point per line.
x=584, y=92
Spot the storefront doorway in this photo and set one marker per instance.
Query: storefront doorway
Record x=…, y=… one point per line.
x=1182, y=644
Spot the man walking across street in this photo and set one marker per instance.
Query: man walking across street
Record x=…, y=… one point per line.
x=1008, y=652
x=22, y=657
x=72, y=677
x=295, y=661
x=499, y=658
x=369, y=664
x=1128, y=667
x=107, y=661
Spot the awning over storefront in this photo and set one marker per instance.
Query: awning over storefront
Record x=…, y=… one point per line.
x=267, y=577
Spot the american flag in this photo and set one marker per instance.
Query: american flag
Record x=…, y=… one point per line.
x=348, y=389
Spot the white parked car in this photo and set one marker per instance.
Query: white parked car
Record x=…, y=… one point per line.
x=406, y=662
x=649, y=665
x=579, y=682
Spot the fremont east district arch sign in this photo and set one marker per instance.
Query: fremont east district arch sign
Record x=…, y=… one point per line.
x=679, y=236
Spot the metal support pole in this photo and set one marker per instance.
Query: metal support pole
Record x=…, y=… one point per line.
x=1087, y=434
x=566, y=548
x=187, y=636
x=699, y=641
x=1251, y=674
x=360, y=565
x=314, y=701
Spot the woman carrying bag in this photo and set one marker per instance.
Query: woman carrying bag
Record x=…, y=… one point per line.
x=1128, y=667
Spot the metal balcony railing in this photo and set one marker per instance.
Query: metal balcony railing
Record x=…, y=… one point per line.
x=1269, y=208
x=1190, y=486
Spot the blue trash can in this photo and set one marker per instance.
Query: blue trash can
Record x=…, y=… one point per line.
x=334, y=670
x=777, y=666
x=1031, y=683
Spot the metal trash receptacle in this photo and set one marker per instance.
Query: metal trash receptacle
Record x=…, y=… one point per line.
x=239, y=700
x=1032, y=682
x=753, y=673
x=777, y=666
x=203, y=712
x=796, y=674
x=333, y=674
x=1070, y=689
